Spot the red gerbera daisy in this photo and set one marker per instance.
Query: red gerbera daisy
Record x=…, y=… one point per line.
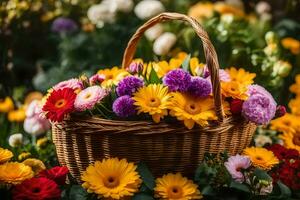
x=59, y=103
x=57, y=174
x=36, y=189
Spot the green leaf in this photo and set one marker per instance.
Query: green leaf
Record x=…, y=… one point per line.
x=239, y=186
x=146, y=175
x=186, y=63
x=142, y=196
x=153, y=78
x=285, y=191
x=262, y=175
x=208, y=191
x=77, y=193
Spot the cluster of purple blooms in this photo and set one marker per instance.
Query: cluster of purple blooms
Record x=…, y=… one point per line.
x=64, y=25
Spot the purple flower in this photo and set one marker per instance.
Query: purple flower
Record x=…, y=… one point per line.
x=234, y=166
x=223, y=75
x=257, y=89
x=129, y=85
x=123, y=106
x=64, y=25
x=177, y=80
x=199, y=87
x=96, y=79
x=135, y=67
x=259, y=108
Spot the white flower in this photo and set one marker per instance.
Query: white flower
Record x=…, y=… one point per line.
x=262, y=7
x=262, y=140
x=15, y=140
x=102, y=13
x=164, y=43
x=148, y=8
x=123, y=5
x=154, y=32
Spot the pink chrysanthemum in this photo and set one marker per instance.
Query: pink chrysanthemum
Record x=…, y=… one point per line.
x=234, y=166
x=72, y=83
x=89, y=97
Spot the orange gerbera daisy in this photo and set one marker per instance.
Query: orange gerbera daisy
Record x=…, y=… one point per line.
x=295, y=88
x=241, y=76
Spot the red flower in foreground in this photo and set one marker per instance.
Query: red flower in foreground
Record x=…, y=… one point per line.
x=283, y=153
x=236, y=106
x=57, y=174
x=59, y=103
x=36, y=189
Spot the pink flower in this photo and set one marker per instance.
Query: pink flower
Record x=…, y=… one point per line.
x=235, y=164
x=97, y=79
x=73, y=83
x=89, y=97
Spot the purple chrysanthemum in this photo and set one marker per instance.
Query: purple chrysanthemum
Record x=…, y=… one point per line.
x=123, y=106
x=259, y=108
x=129, y=85
x=223, y=75
x=257, y=89
x=64, y=25
x=177, y=80
x=199, y=87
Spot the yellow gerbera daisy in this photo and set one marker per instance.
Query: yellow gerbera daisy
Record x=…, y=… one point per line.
x=241, y=76
x=17, y=115
x=294, y=105
x=112, y=76
x=174, y=186
x=5, y=155
x=193, y=110
x=36, y=165
x=111, y=178
x=152, y=99
x=6, y=105
x=286, y=123
x=261, y=157
x=295, y=88
x=291, y=140
x=234, y=89
x=291, y=44
x=163, y=67
x=15, y=173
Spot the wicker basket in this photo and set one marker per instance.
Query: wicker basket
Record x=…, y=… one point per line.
x=164, y=147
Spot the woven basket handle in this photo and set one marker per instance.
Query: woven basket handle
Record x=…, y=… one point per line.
x=209, y=51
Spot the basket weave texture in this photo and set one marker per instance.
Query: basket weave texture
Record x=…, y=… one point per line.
x=164, y=147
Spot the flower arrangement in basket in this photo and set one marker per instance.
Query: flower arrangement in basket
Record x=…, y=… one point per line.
x=168, y=114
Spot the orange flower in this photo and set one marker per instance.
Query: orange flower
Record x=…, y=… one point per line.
x=291, y=44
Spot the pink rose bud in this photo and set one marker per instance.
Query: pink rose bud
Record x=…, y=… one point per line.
x=280, y=111
x=135, y=67
x=97, y=79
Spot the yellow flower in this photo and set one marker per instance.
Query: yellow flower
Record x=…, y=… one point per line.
x=294, y=105
x=5, y=155
x=241, y=76
x=291, y=44
x=224, y=8
x=234, y=89
x=15, y=173
x=24, y=155
x=112, y=76
x=291, y=140
x=33, y=96
x=42, y=142
x=17, y=115
x=286, y=123
x=261, y=157
x=36, y=165
x=295, y=88
x=152, y=99
x=174, y=186
x=6, y=105
x=111, y=178
x=163, y=67
x=201, y=11
x=196, y=67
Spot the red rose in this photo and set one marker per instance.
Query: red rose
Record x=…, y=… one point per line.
x=57, y=174
x=36, y=189
x=236, y=106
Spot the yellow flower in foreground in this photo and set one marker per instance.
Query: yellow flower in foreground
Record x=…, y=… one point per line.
x=294, y=105
x=241, y=76
x=15, y=173
x=163, y=67
x=36, y=165
x=234, y=89
x=295, y=88
x=112, y=76
x=261, y=157
x=24, y=155
x=17, y=115
x=291, y=44
x=6, y=105
x=196, y=67
x=291, y=140
x=5, y=155
x=152, y=99
x=174, y=186
x=286, y=123
x=112, y=178
x=201, y=11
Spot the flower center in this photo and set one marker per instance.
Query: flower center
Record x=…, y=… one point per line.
x=192, y=108
x=87, y=96
x=154, y=102
x=175, y=193
x=258, y=158
x=36, y=190
x=111, y=182
x=296, y=139
x=60, y=103
x=109, y=77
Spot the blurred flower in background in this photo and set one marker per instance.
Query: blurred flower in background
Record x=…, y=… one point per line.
x=64, y=25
